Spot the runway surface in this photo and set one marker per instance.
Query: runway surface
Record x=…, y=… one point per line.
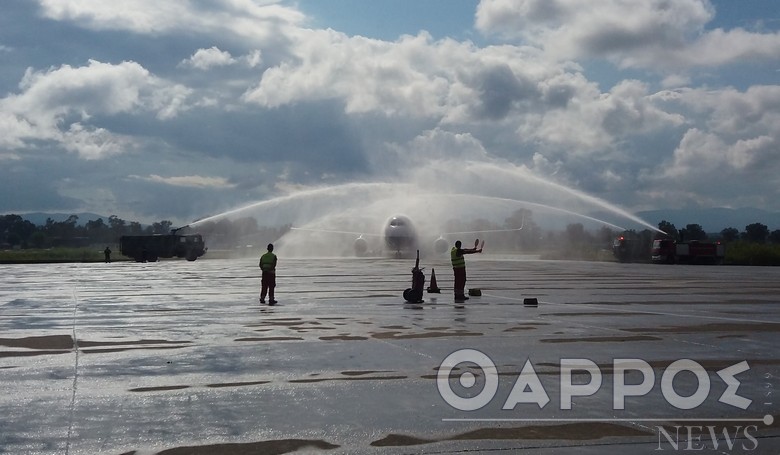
x=180, y=357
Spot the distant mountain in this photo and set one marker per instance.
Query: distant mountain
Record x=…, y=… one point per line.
x=39, y=218
x=713, y=219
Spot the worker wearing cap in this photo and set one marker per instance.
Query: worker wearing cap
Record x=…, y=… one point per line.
x=268, y=280
x=459, y=269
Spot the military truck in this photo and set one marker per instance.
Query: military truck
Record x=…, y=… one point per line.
x=149, y=248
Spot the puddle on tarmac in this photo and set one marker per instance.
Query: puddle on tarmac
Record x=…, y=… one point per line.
x=573, y=431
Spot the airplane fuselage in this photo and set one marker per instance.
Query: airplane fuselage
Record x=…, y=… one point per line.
x=400, y=235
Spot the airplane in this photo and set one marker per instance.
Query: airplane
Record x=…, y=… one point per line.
x=401, y=238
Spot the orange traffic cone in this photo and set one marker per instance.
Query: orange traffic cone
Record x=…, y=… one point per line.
x=433, y=288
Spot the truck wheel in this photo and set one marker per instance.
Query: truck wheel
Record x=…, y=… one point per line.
x=191, y=256
x=151, y=259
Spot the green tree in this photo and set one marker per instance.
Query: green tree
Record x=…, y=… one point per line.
x=135, y=228
x=693, y=232
x=15, y=230
x=117, y=226
x=162, y=227
x=38, y=239
x=669, y=228
x=756, y=233
x=97, y=231
x=730, y=234
x=774, y=236
x=61, y=233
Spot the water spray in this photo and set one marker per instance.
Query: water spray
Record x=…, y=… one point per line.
x=434, y=200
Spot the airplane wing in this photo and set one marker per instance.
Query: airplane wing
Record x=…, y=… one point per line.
x=360, y=245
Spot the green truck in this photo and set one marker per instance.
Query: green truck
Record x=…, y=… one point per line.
x=149, y=248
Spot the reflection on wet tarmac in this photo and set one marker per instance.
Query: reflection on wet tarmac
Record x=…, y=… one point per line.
x=184, y=359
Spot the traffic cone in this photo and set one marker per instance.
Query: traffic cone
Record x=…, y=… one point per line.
x=433, y=288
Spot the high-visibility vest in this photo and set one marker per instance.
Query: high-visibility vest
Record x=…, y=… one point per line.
x=267, y=262
x=457, y=261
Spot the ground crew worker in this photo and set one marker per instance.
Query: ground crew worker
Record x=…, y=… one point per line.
x=268, y=280
x=459, y=269
x=107, y=254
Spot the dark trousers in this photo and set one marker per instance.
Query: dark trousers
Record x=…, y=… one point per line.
x=268, y=283
x=460, y=280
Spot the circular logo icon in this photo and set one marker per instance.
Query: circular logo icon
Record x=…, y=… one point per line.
x=467, y=379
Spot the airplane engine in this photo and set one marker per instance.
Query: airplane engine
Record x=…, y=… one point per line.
x=361, y=246
x=440, y=245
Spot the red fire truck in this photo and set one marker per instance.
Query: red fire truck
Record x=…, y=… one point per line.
x=670, y=252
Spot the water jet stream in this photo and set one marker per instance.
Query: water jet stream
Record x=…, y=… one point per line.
x=337, y=207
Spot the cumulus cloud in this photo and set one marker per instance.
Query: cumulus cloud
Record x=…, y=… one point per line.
x=707, y=170
x=732, y=154
x=58, y=104
x=732, y=112
x=204, y=59
x=457, y=85
x=256, y=21
x=94, y=143
x=594, y=122
x=415, y=76
x=368, y=75
x=13, y=130
x=436, y=145
x=742, y=134
x=213, y=57
x=654, y=34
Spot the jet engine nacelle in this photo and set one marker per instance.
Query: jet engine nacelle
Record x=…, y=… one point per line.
x=440, y=245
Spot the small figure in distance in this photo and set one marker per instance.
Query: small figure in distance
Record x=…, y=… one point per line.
x=268, y=281
x=107, y=254
x=459, y=268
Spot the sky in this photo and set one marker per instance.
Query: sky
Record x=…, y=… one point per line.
x=180, y=110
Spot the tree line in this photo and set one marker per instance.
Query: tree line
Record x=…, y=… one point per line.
x=16, y=232
x=753, y=233
x=575, y=240
x=755, y=245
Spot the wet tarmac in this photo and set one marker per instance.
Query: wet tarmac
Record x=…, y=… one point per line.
x=178, y=357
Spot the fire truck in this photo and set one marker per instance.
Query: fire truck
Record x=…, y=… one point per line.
x=624, y=249
x=670, y=252
x=149, y=248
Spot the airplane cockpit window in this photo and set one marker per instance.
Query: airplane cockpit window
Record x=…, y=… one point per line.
x=396, y=222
